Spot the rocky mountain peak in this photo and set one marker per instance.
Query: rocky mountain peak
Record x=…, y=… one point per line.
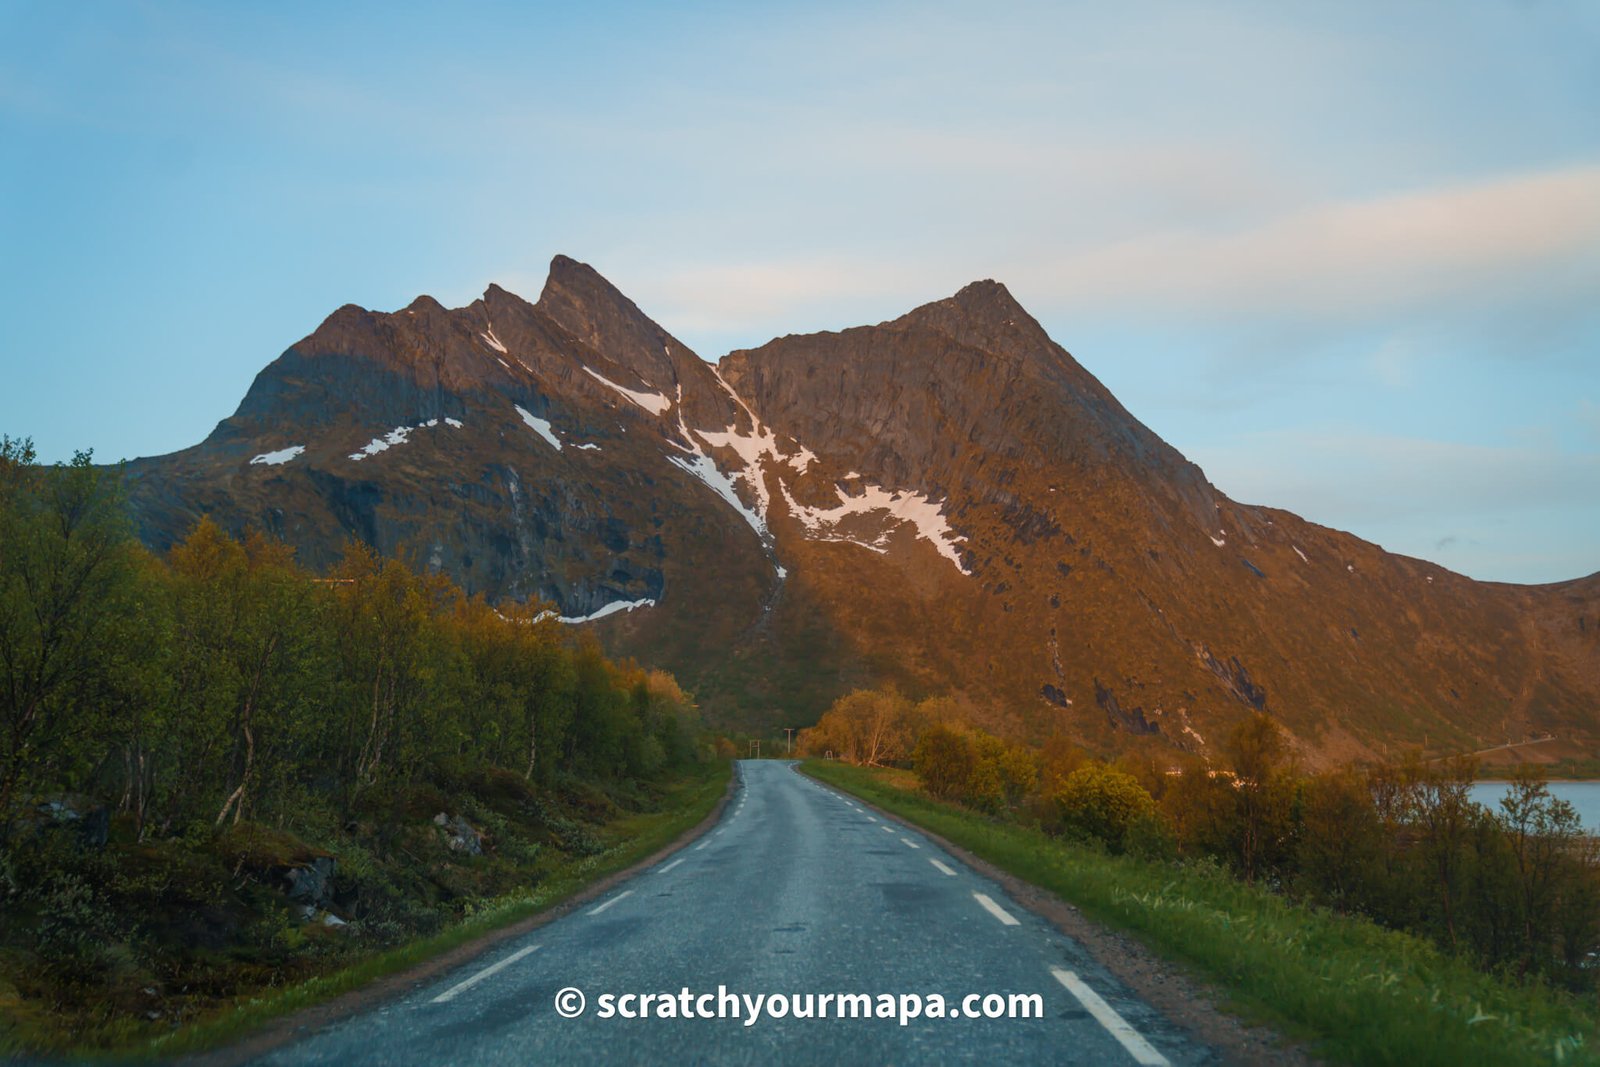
x=584, y=304
x=498, y=296
x=425, y=303
x=986, y=296
x=983, y=315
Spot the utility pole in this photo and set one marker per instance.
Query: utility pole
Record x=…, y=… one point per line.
x=755, y=749
x=790, y=731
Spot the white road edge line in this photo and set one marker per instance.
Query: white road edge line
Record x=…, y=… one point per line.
x=450, y=994
x=994, y=909
x=613, y=900
x=942, y=867
x=669, y=866
x=910, y=843
x=1118, y=1027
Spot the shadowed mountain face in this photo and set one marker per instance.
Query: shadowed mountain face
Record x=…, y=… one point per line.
x=948, y=501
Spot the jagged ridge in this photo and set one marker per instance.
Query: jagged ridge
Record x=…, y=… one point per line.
x=949, y=500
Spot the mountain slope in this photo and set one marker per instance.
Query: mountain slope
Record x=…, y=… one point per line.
x=947, y=500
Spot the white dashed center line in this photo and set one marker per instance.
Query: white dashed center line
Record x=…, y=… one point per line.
x=669, y=866
x=943, y=868
x=1118, y=1027
x=910, y=843
x=994, y=909
x=613, y=900
x=450, y=994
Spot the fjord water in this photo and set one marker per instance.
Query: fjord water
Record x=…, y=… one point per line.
x=1584, y=796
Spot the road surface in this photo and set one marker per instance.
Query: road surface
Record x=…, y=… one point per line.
x=798, y=890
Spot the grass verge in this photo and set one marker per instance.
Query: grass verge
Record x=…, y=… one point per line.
x=631, y=839
x=1356, y=992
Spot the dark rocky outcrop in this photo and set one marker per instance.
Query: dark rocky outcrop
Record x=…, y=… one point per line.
x=311, y=884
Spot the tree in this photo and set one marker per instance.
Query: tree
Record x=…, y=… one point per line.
x=248, y=624
x=65, y=565
x=1553, y=882
x=1261, y=792
x=387, y=644
x=1445, y=815
x=1341, y=840
x=873, y=727
x=944, y=759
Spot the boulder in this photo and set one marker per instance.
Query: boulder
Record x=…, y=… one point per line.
x=310, y=885
x=460, y=835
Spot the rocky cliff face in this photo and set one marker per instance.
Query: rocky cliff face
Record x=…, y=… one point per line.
x=948, y=501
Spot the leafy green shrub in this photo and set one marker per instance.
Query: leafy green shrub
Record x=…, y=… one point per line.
x=1101, y=802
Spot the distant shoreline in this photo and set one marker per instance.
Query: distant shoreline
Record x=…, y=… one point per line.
x=1548, y=781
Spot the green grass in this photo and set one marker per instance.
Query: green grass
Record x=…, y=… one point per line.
x=631, y=839
x=1356, y=992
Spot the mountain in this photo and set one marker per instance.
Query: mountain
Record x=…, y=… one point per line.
x=948, y=501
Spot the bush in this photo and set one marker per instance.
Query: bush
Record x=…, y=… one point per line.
x=944, y=760
x=1101, y=802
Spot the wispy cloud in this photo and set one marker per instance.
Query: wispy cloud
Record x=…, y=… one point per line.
x=1357, y=259
x=1524, y=247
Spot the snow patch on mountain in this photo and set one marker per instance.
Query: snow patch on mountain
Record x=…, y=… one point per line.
x=705, y=469
x=492, y=341
x=610, y=609
x=900, y=506
x=540, y=426
x=872, y=546
x=654, y=403
x=754, y=447
x=281, y=456
x=397, y=436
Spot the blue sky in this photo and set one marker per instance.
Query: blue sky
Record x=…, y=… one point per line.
x=1346, y=257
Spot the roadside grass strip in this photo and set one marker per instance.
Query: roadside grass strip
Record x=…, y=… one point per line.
x=1358, y=993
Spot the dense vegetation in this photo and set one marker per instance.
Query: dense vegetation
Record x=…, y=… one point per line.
x=220, y=773
x=1515, y=890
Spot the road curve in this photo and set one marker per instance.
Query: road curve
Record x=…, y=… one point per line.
x=798, y=890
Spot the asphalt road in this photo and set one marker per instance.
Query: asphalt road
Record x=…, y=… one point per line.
x=797, y=891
